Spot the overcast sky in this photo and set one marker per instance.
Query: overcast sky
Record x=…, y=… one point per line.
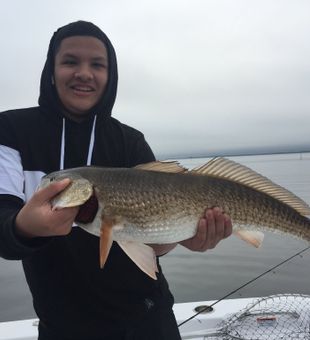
x=197, y=77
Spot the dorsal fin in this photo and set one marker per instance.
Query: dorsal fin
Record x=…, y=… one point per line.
x=162, y=166
x=228, y=169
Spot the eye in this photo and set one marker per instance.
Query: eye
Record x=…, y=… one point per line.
x=69, y=62
x=99, y=65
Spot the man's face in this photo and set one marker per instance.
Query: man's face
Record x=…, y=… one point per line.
x=81, y=74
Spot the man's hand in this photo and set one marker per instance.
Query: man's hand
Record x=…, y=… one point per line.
x=213, y=227
x=37, y=218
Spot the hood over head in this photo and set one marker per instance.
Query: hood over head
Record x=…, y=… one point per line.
x=49, y=99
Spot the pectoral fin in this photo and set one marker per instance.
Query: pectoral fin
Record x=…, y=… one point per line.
x=142, y=255
x=255, y=238
x=106, y=240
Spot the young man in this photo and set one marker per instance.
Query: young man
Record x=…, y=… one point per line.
x=71, y=127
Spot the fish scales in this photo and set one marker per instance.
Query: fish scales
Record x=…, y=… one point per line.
x=157, y=207
x=251, y=208
x=163, y=202
x=165, y=207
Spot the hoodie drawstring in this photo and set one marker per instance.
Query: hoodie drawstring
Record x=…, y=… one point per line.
x=92, y=142
x=90, y=148
x=62, y=148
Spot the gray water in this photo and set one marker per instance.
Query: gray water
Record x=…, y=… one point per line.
x=215, y=273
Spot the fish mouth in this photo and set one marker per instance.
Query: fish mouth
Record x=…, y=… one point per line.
x=88, y=210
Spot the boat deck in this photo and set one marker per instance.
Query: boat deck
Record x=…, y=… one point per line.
x=196, y=328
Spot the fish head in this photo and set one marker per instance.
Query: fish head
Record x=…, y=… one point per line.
x=75, y=194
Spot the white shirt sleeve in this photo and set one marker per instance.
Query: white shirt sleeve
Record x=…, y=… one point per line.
x=11, y=173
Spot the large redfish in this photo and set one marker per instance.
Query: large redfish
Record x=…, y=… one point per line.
x=162, y=202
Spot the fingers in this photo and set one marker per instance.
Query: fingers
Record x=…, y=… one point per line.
x=213, y=227
x=37, y=218
x=51, y=190
x=210, y=229
x=228, y=226
x=218, y=226
x=63, y=220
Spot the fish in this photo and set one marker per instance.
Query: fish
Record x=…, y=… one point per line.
x=161, y=202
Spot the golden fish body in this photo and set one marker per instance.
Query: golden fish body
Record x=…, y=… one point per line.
x=162, y=202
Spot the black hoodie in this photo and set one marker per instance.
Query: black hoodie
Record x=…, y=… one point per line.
x=72, y=296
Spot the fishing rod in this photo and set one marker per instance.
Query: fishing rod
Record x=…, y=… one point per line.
x=244, y=285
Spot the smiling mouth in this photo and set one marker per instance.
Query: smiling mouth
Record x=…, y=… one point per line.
x=84, y=89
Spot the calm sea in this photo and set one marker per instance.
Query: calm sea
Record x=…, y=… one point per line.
x=212, y=275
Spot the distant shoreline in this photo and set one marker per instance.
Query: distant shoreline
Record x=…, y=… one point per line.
x=235, y=154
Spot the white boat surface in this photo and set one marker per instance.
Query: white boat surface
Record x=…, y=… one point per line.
x=284, y=316
x=201, y=325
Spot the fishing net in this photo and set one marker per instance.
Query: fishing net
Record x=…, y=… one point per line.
x=281, y=317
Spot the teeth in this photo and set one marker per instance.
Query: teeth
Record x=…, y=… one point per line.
x=84, y=89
